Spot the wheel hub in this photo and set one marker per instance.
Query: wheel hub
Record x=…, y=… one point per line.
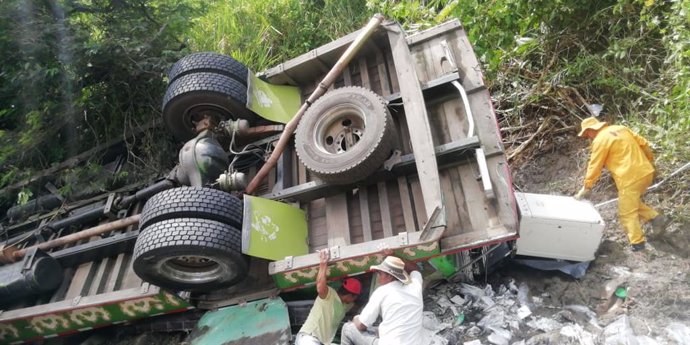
x=340, y=129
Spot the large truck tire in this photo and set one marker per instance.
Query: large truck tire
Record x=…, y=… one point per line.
x=192, y=202
x=190, y=254
x=209, y=62
x=203, y=92
x=346, y=135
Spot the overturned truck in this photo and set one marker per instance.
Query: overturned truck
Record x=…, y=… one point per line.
x=402, y=152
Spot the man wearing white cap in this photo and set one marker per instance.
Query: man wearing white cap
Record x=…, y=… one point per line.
x=398, y=301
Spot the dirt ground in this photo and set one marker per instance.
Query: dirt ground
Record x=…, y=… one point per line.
x=657, y=280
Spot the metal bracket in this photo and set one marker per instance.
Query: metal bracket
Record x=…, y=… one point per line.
x=335, y=252
x=394, y=159
x=288, y=262
x=403, y=238
x=449, y=54
x=484, y=172
x=144, y=288
x=29, y=259
x=53, y=190
x=76, y=300
x=109, y=206
x=429, y=232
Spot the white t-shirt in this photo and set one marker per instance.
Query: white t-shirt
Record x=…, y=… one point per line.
x=400, y=307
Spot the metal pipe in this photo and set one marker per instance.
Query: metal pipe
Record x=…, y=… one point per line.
x=84, y=234
x=329, y=79
x=468, y=111
x=87, y=216
x=146, y=193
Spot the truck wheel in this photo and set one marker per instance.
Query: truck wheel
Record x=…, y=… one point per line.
x=216, y=94
x=346, y=135
x=190, y=254
x=204, y=203
x=209, y=62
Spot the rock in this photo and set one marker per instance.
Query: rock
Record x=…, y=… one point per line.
x=473, y=342
x=458, y=300
x=576, y=332
x=499, y=336
x=678, y=332
x=523, y=294
x=544, y=324
x=523, y=312
x=495, y=318
x=474, y=332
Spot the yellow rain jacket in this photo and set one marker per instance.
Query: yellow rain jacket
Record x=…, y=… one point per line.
x=624, y=153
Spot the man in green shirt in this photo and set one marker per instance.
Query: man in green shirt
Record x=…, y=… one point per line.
x=329, y=308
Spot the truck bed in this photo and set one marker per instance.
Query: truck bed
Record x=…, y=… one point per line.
x=478, y=207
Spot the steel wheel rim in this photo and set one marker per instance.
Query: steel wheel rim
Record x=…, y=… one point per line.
x=340, y=129
x=192, y=268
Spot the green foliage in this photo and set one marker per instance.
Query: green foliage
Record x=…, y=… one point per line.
x=24, y=196
x=77, y=73
x=264, y=33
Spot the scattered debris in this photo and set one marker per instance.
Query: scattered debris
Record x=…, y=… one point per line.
x=508, y=315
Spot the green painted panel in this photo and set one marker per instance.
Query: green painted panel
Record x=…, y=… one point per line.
x=306, y=276
x=277, y=103
x=272, y=229
x=264, y=321
x=36, y=327
x=444, y=264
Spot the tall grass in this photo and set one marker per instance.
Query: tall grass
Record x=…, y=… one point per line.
x=263, y=33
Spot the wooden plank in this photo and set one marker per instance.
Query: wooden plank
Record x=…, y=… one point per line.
x=364, y=72
x=130, y=279
x=338, y=221
x=99, y=277
x=415, y=112
x=473, y=195
x=450, y=202
x=467, y=62
x=449, y=154
x=406, y=202
x=284, y=170
x=418, y=200
x=351, y=251
x=347, y=76
x=461, y=206
x=383, y=74
x=79, y=279
x=475, y=239
x=364, y=210
x=111, y=284
x=436, y=31
x=392, y=75
x=385, y=210
x=456, y=119
x=318, y=226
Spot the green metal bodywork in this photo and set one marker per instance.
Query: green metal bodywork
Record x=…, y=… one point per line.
x=278, y=103
x=273, y=230
x=264, y=321
x=352, y=266
x=80, y=315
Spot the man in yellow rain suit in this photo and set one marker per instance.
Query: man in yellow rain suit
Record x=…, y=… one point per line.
x=629, y=159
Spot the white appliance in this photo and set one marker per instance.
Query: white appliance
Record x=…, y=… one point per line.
x=558, y=227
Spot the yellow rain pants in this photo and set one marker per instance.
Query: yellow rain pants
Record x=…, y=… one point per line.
x=631, y=209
